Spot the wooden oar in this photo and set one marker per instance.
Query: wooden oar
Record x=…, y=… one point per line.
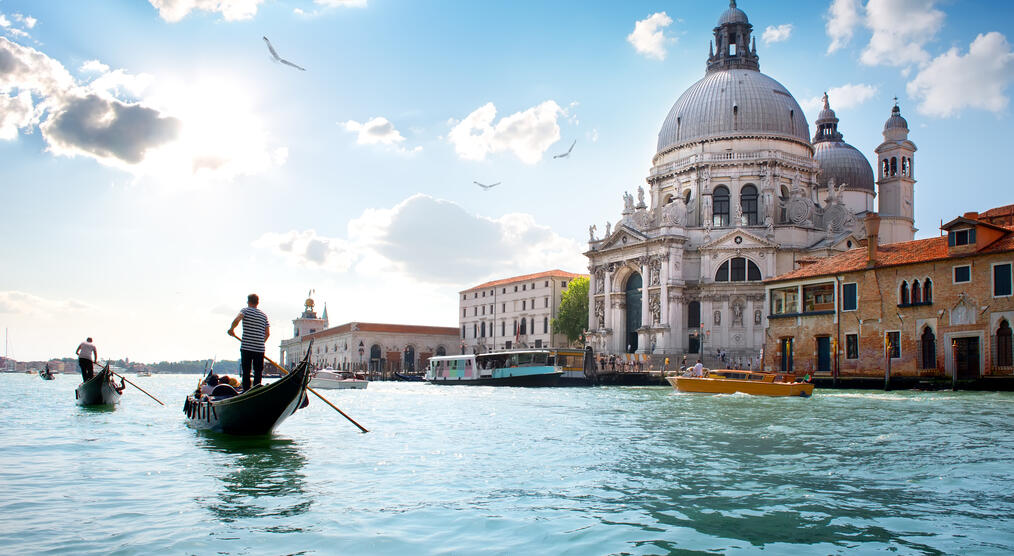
x=325, y=400
x=135, y=386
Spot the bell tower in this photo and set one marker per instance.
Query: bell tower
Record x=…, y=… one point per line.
x=896, y=181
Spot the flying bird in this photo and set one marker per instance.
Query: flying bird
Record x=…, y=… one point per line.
x=566, y=154
x=486, y=187
x=278, y=58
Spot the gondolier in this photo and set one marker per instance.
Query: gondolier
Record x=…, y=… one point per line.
x=87, y=355
x=255, y=333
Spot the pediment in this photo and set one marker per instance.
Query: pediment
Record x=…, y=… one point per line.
x=622, y=236
x=747, y=240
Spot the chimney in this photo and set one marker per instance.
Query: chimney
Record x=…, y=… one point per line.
x=971, y=215
x=872, y=223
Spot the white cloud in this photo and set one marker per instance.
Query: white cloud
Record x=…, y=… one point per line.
x=4, y=22
x=28, y=20
x=527, y=134
x=777, y=34
x=231, y=10
x=178, y=135
x=424, y=239
x=978, y=79
x=900, y=29
x=842, y=19
x=845, y=96
x=648, y=36
x=377, y=131
x=22, y=303
x=342, y=3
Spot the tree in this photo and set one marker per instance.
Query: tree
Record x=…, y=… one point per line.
x=572, y=315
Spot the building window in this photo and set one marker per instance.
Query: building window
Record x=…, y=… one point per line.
x=1002, y=280
x=464, y=312
x=476, y=296
x=961, y=237
x=547, y=302
x=738, y=269
x=547, y=283
x=503, y=326
x=1004, y=353
x=903, y=294
x=504, y=290
x=515, y=289
x=475, y=330
x=464, y=296
x=484, y=293
x=818, y=297
x=849, y=296
x=563, y=284
x=927, y=291
x=482, y=329
x=852, y=346
x=785, y=301
x=524, y=304
x=916, y=293
x=748, y=202
x=462, y=331
x=720, y=204
x=894, y=344
x=524, y=327
x=545, y=325
x=503, y=307
x=929, y=349
x=962, y=274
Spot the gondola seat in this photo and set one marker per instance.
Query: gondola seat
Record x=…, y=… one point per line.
x=223, y=391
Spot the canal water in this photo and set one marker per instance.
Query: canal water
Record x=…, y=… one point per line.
x=475, y=470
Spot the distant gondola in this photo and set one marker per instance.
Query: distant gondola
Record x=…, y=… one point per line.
x=257, y=411
x=405, y=377
x=99, y=389
x=46, y=374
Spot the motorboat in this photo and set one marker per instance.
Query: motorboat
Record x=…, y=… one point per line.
x=731, y=381
x=330, y=379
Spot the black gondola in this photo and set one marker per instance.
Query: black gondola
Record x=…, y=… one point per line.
x=257, y=411
x=99, y=389
x=46, y=374
x=405, y=377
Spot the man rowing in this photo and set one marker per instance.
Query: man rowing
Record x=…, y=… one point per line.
x=255, y=334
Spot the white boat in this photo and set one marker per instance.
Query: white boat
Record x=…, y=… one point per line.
x=144, y=372
x=330, y=379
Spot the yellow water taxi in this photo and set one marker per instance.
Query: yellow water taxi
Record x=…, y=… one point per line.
x=732, y=381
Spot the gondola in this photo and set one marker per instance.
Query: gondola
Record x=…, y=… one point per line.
x=257, y=411
x=405, y=377
x=99, y=389
x=46, y=374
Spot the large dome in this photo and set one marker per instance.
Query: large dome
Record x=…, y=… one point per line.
x=844, y=163
x=731, y=103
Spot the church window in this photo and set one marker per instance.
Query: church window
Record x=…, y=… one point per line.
x=927, y=291
x=720, y=200
x=885, y=168
x=894, y=166
x=916, y=293
x=904, y=166
x=748, y=202
x=904, y=298
x=962, y=274
x=738, y=269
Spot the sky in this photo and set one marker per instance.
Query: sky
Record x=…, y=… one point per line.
x=156, y=164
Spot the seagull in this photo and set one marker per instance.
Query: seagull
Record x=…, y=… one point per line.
x=278, y=58
x=566, y=154
x=486, y=187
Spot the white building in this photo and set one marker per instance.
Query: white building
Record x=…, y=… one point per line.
x=513, y=312
x=737, y=193
x=381, y=348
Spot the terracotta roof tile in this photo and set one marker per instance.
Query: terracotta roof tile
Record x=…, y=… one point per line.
x=893, y=254
x=536, y=276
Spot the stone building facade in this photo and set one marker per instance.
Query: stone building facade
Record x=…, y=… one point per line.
x=737, y=193
x=513, y=312
x=377, y=347
x=937, y=307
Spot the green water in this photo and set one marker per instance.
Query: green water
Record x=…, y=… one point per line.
x=469, y=470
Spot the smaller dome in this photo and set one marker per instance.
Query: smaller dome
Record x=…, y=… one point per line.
x=732, y=15
x=895, y=121
x=845, y=164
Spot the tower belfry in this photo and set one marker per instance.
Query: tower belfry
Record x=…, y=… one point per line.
x=896, y=180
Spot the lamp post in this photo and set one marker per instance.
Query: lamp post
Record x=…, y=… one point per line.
x=361, y=351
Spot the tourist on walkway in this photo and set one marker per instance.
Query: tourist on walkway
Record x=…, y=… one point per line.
x=255, y=333
x=87, y=355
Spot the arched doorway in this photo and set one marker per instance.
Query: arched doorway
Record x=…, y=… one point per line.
x=409, y=361
x=441, y=350
x=1004, y=355
x=633, y=294
x=376, y=362
x=929, y=349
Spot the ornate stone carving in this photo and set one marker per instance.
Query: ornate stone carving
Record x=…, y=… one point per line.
x=798, y=210
x=600, y=313
x=655, y=271
x=718, y=318
x=757, y=316
x=600, y=280
x=640, y=197
x=628, y=203
x=964, y=311
x=737, y=312
x=591, y=233
x=655, y=305
x=675, y=213
x=608, y=226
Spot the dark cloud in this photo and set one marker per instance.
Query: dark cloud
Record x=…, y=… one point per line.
x=109, y=128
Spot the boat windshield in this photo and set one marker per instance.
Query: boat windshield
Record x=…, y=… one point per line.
x=513, y=359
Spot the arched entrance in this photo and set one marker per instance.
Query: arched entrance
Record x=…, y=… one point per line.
x=633, y=320
x=409, y=362
x=376, y=362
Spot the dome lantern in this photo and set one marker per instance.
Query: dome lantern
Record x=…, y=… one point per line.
x=732, y=40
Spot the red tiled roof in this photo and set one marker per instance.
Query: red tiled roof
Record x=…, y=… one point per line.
x=893, y=254
x=1007, y=210
x=536, y=276
x=390, y=328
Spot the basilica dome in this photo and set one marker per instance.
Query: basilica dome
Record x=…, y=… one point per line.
x=838, y=160
x=731, y=103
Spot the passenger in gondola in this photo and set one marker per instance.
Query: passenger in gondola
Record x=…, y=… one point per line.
x=87, y=355
x=209, y=384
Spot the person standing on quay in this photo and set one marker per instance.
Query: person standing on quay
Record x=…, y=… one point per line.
x=87, y=355
x=255, y=333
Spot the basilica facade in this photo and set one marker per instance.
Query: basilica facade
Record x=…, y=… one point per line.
x=738, y=193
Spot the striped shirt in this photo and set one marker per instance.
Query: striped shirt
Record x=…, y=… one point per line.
x=255, y=322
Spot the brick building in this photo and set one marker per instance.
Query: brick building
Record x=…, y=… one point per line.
x=935, y=306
